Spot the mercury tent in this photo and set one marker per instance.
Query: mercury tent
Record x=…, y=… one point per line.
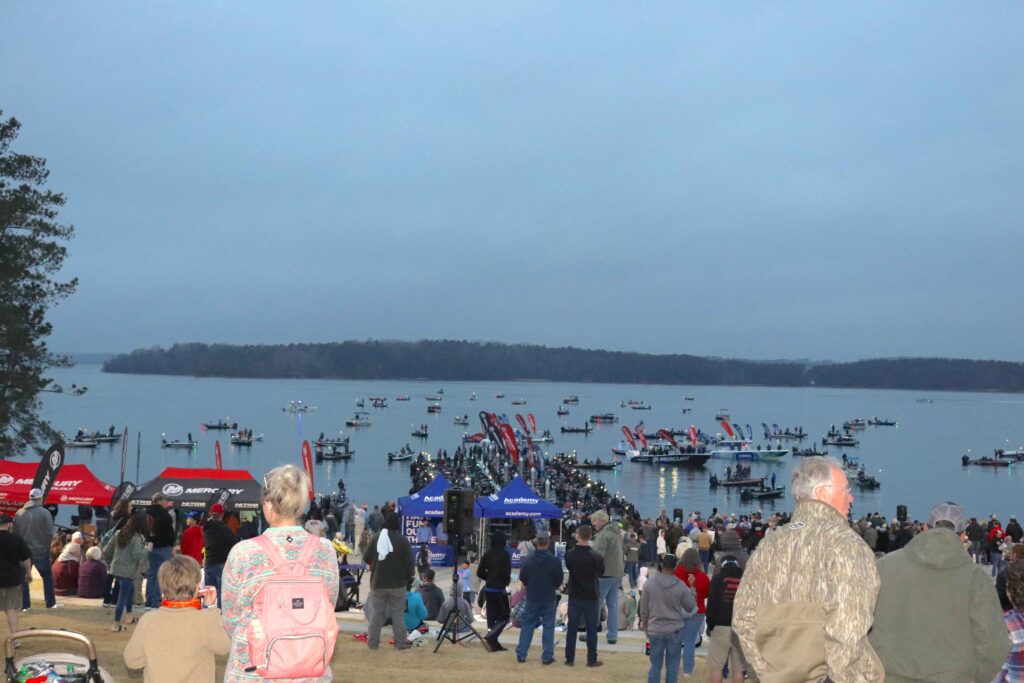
x=516, y=501
x=75, y=485
x=193, y=488
x=427, y=502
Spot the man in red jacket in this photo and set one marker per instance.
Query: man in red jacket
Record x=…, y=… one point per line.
x=192, y=538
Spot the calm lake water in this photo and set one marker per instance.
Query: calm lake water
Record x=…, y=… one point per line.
x=918, y=462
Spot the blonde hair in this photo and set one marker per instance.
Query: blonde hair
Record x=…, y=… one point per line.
x=286, y=488
x=178, y=578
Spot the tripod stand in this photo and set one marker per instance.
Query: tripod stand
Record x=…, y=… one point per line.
x=457, y=627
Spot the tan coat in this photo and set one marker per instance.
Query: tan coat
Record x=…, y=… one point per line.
x=805, y=605
x=175, y=645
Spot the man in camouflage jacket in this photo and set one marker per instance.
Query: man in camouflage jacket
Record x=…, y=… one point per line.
x=804, y=608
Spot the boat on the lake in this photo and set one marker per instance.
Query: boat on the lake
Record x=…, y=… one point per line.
x=879, y=422
x=164, y=443
x=585, y=429
x=359, y=419
x=866, y=481
x=597, y=465
x=405, y=453
x=380, y=403
x=855, y=423
x=544, y=437
x=295, y=407
x=562, y=411
x=403, y=397
x=420, y=432
x=762, y=493
x=604, y=418
x=571, y=400
x=434, y=408
x=748, y=452
x=809, y=452
x=743, y=480
x=519, y=401
x=986, y=461
x=461, y=420
x=330, y=453
x=220, y=424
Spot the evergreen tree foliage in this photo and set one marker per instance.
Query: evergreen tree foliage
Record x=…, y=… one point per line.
x=32, y=252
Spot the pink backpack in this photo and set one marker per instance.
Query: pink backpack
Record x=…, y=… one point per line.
x=293, y=629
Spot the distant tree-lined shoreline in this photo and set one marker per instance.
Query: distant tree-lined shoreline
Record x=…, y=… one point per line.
x=491, y=361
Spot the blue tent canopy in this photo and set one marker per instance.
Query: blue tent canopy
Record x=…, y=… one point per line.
x=516, y=501
x=427, y=502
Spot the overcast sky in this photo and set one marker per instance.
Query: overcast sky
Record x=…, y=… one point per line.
x=820, y=180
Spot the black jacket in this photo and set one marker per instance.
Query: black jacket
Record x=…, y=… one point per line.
x=218, y=540
x=161, y=527
x=721, y=595
x=542, y=575
x=495, y=567
x=585, y=568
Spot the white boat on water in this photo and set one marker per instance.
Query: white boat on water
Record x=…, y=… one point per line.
x=297, y=407
x=747, y=451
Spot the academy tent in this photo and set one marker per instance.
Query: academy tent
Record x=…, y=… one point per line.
x=427, y=502
x=194, y=488
x=516, y=501
x=74, y=485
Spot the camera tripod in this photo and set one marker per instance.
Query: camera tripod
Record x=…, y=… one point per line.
x=456, y=627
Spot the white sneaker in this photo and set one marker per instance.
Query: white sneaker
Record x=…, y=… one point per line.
x=56, y=605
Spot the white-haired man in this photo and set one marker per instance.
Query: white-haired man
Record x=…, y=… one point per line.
x=804, y=608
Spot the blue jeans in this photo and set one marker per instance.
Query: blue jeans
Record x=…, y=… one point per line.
x=42, y=564
x=667, y=647
x=632, y=571
x=705, y=558
x=212, y=575
x=589, y=610
x=125, y=592
x=608, y=591
x=996, y=558
x=157, y=556
x=537, y=614
x=692, y=628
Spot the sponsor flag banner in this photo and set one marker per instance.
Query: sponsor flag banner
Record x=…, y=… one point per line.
x=48, y=469
x=307, y=462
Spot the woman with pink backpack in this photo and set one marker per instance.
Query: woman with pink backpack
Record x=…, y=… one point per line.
x=279, y=591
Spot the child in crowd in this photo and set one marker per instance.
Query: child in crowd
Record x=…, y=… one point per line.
x=189, y=619
x=466, y=581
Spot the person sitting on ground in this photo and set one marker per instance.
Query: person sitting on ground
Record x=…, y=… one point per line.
x=433, y=597
x=196, y=632
x=65, y=570
x=415, y=610
x=92, y=575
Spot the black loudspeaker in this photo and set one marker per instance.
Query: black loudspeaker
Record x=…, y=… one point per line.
x=458, y=511
x=901, y=513
x=677, y=513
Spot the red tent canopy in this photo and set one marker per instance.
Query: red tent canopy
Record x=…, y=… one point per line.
x=75, y=485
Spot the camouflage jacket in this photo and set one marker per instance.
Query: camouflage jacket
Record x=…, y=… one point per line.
x=805, y=605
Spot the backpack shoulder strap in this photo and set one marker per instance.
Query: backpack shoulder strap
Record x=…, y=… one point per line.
x=308, y=548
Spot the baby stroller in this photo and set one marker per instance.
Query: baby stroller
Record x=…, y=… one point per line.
x=53, y=667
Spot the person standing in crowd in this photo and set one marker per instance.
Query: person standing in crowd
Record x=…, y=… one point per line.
x=375, y=520
x=608, y=544
x=704, y=541
x=126, y=554
x=390, y=559
x=631, y=548
x=433, y=597
x=34, y=524
x=15, y=571
x=495, y=570
x=423, y=532
x=976, y=536
x=197, y=633
x=996, y=538
x=814, y=582
x=192, y=537
x=1014, y=532
x=691, y=574
x=938, y=618
x=1016, y=555
x=665, y=604
x=1012, y=670
x=285, y=498
x=92, y=575
x=586, y=567
x=161, y=536
x=542, y=575
x=724, y=646
x=218, y=540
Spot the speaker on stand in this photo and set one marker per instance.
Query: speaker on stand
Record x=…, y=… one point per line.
x=458, y=524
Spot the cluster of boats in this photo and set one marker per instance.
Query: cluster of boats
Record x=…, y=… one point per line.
x=333, y=449
x=1000, y=458
x=85, y=439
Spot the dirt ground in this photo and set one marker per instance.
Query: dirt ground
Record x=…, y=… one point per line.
x=464, y=663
